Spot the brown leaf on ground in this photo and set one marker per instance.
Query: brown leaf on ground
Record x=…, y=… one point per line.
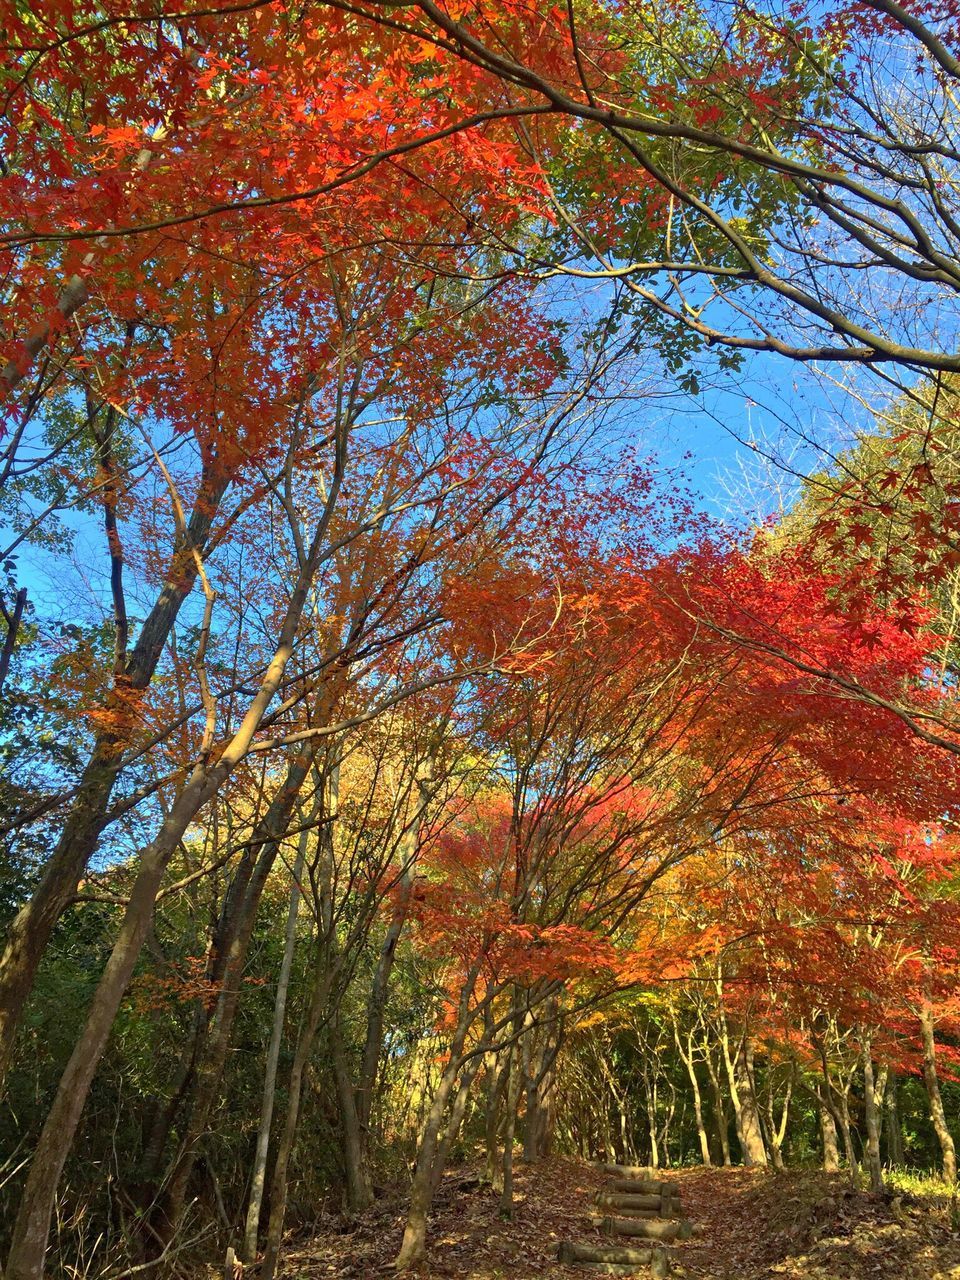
x=807, y=1225
x=752, y=1225
x=468, y=1238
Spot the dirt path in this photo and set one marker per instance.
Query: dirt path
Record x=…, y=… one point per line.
x=468, y=1240
x=754, y=1226
x=757, y=1226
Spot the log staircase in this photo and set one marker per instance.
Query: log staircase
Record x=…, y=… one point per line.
x=637, y=1204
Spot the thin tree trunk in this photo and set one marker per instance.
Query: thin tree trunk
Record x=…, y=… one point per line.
x=28, y=1246
x=667, y=1121
x=732, y=1081
x=690, y=1064
x=359, y=1191
x=828, y=1131
x=948, y=1148
x=776, y=1132
x=422, y=1189
x=531, y=1058
x=846, y=1132
x=515, y=1082
x=781, y=1133
x=754, y=1149
x=720, y=1114
x=893, y=1128
x=776, y=1156
x=739, y=1077
x=414, y=1243
x=457, y=1112
x=258, y=1180
x=839, y=1114
x=221, y=945
x=871, y=1118
x=540, y=1081
x=650, y=1089
x=377, y=1000
x=496, y=1078
x=287, y=1142
x=269, y=836
x=29, y=932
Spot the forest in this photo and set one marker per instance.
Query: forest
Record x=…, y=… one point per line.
x=479, y=638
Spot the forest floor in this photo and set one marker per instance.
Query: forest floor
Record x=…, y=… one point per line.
x=753, y=1226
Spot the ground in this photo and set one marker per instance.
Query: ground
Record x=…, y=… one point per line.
x=755, y=1226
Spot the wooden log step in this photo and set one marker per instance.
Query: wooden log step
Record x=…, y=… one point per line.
x=670, y=1204
x=616, y=1269
x=570, y=1252
x=598, y=1214
x=630, y=1170
x=643, y=1186
x=648, y=1229
x=630, y=1200
x=614, y=1259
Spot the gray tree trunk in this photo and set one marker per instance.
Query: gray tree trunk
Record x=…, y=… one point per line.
x=871, y=1115
x=258, y=1179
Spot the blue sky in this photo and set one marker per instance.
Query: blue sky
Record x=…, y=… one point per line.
x=744, y=441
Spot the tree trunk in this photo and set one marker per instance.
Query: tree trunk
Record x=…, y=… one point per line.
x=776, y=1155
x=777, y=1131
x=871, y=1115
x=732, y=1082
x=650, y=1091
x=532, y=1060
x=28, y=1247
x=831, y=1151
x=457, y=1112
x=893, y=1128
x=219, y=951
x=721, y=1116
x=376, y=1004
x=287, y=1142
x=413, y=1246
x=835, y=1105
x=267, y=840
x=691, y=1066
x=667, y=1121
x=414, y=1243
x=359, y=1191
x=327, y=792
x=514, y=1083
x=258, y=1179
x=540, y=1080
x=221, y=945
x=948, y=1148
x=496, y=1078
x=29, y=931
x=745, y=1104
x=846, y=1132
